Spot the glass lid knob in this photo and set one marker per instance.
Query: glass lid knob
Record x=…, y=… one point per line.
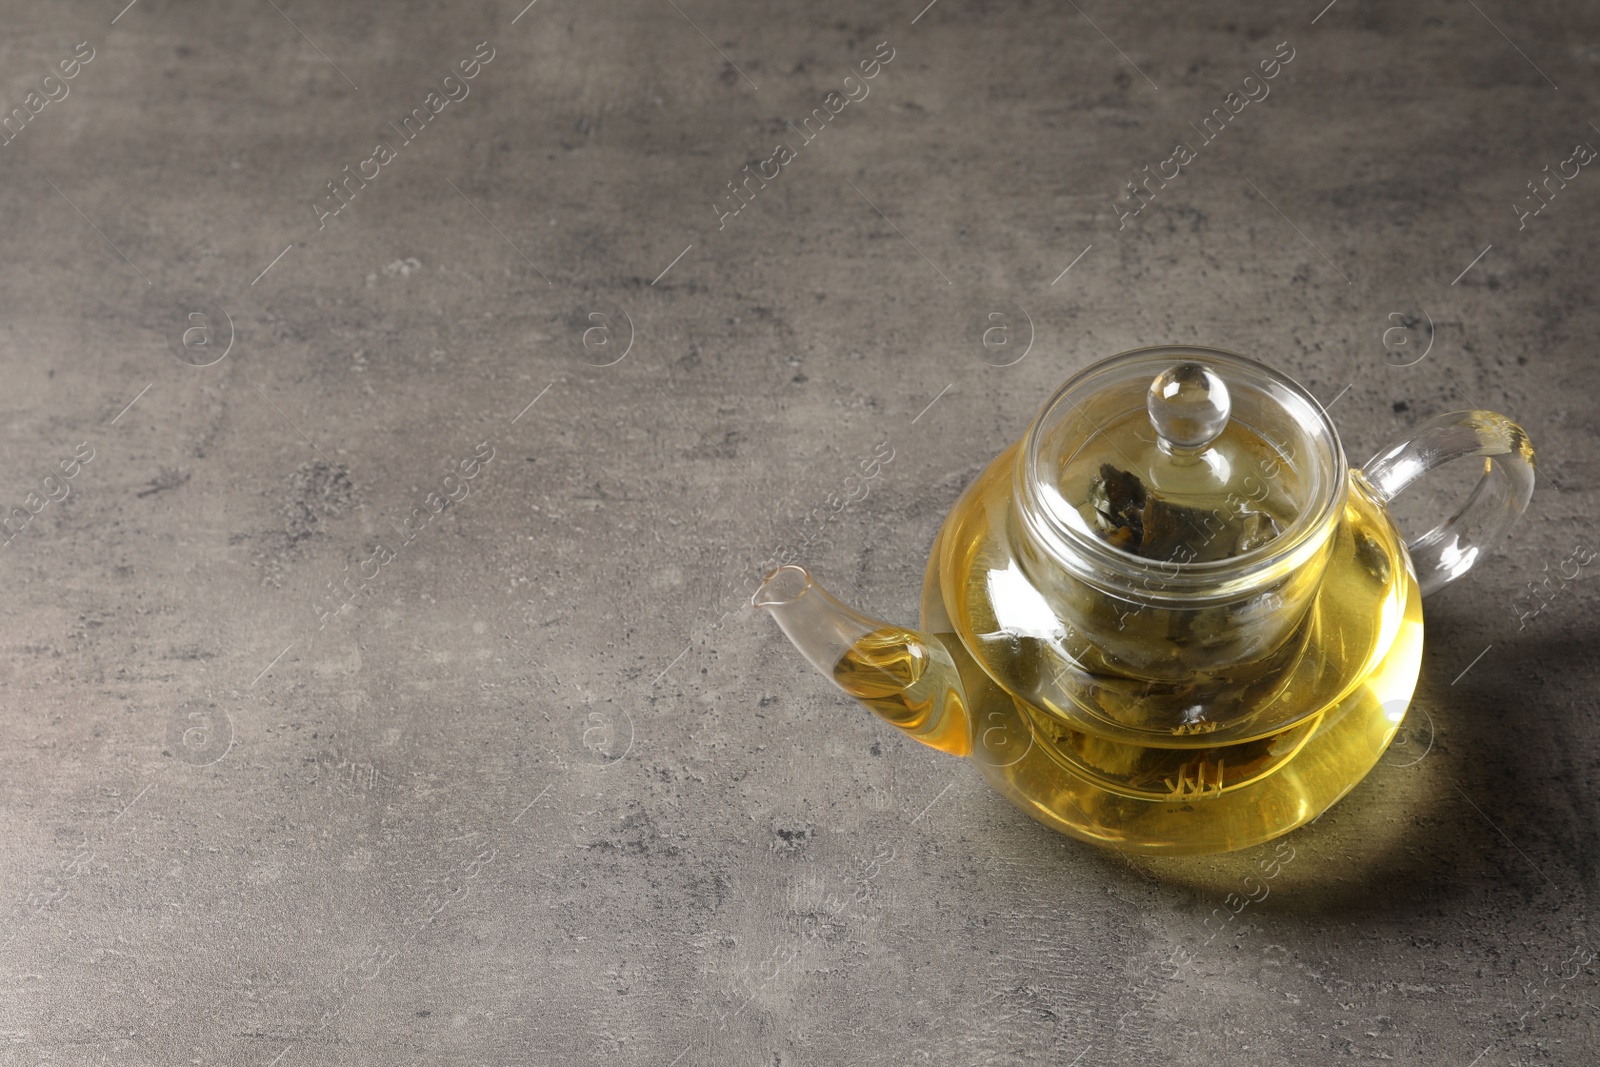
x=1188, y=405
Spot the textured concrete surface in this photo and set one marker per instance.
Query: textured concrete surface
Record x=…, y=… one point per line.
x=546, y=792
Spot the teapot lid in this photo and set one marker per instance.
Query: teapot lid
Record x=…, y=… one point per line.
x=1183, y=455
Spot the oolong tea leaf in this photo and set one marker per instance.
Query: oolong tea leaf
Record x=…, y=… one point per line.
x=1123, y=511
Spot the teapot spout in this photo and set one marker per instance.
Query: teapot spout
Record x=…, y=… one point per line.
x=905, y=677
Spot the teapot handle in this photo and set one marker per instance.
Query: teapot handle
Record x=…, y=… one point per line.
x=1449, y=550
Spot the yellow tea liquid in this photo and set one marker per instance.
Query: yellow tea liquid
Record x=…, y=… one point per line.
x=908, y=683
x=1337, y=692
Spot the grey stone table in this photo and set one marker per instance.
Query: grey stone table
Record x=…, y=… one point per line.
x=456, y=303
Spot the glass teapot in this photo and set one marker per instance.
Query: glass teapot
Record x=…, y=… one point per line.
x=1171, y=619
